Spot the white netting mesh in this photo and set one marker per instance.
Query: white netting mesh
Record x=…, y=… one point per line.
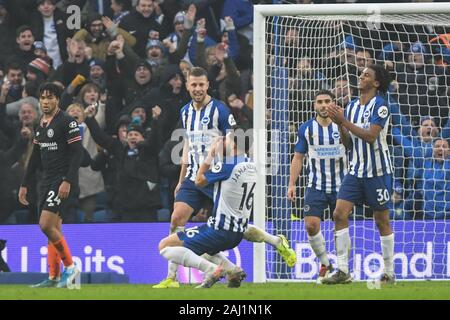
x=305, y=54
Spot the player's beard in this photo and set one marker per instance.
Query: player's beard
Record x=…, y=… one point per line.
x=320, y=114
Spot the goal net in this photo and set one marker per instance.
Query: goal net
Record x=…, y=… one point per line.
x=301, y=49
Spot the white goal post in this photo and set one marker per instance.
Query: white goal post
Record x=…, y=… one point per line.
x=334, y=26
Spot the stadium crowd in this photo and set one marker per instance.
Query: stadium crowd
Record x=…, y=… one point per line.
x=123, y=74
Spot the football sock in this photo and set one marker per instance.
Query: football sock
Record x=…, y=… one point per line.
x=220, y=259
x=342, y=248
x=54, y=262
x=187, y=258
x=64, y=252
x=172, y=267
x=387, y=248
x=255, y=234
x=317, y=243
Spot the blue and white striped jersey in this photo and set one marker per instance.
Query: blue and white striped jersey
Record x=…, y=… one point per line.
x=369, y=160
x=234, y=183
x=202, y=126
x=327, y=160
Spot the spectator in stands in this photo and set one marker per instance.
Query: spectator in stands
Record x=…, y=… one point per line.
x=342, y=91
x=7, y=159
x=105, y=161
x=363, y=59
x=38, y=70
x=436, y=181
x=97, y=75
x=98, y=34
x=241, y=11
x=7, y=31
x=141, y=20
x=23, y=53
x=136, y=191
x=75, y=70
x=120, y=9
x=423, y=86
x=13, y=81
x=171, y=96
x=90, y=182
x=29, y=95
x=156, y=58
x=49, y=26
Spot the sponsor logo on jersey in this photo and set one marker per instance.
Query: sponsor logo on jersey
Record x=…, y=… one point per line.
x=50, y=133
x=383, y=112
x=231, y=120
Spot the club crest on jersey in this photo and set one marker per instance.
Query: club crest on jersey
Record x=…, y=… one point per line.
x=383, y=112
x=73, y=124
x=205, y=120
x=335, y=135
x=231, y=120
x=50, y=133
x=366, y=114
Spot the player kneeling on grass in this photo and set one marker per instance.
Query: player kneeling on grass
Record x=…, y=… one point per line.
x=234, y=180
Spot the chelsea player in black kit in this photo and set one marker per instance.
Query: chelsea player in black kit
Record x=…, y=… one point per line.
x=58, y=152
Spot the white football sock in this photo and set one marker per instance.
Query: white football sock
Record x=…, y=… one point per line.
x=387, y=248
x=172, y=267
x=220, y=259
x=342, y=248
x=187, y=258
x=317, y=243
x=255, y=234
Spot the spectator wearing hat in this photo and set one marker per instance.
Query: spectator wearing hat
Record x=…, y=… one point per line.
x=49, y=26
x=136, y=190
x=90, y=181
x=177, y=43
x=156, y=58
x=98, y=34
x=38, y=70
x=97, y=74
x=171, y=95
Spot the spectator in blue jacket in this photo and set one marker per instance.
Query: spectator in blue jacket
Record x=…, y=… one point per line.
x=436, y=181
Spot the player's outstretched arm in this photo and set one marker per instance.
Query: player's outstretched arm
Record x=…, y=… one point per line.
x=296, y=169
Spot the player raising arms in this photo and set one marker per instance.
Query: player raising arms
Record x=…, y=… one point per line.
x=58, y=151
x=363, y=128
x=204, y=119
x=320, y=140
x=234, y=180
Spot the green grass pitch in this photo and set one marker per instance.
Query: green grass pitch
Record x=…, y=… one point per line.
x=248, y=291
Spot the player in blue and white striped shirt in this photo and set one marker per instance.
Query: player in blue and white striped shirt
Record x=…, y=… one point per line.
x=204, y=119
x=363, y=128
x=234, y=180
x=320, y=141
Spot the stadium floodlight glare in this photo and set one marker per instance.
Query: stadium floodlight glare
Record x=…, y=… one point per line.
x=299, y=49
